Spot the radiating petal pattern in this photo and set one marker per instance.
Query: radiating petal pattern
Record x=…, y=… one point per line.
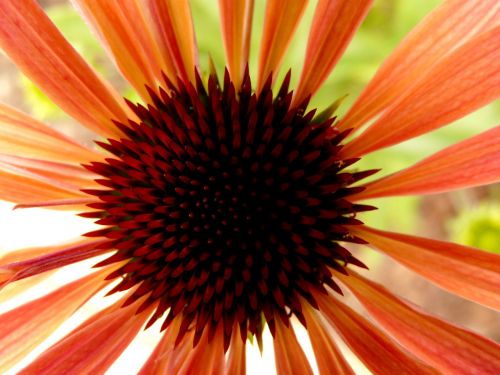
x=473, y=162
x=450, y=25
x=93, y=346
x=40, y=51
x=131, y=45
x=450, y=349
x=236, y=24
x=290, y=359
x=174, y=31
x=24, y=327
x=333, y=27
x=377, y=351
x=281, y=20
x=462, y=270
x=465, y=80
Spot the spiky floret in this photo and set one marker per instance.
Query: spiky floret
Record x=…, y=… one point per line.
x=229, y=206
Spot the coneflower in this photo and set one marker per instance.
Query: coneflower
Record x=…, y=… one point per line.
x=227, y=205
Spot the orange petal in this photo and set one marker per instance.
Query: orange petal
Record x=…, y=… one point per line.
x=73, y=174
x=462, y=270
x=280, y=22
x=93, y=346
x=377, y=351
x=122, y=27
x=328, y=357
x=40, y=51
x=333, y=26
x=23, y=328
x=174, y=31
x=63, y=204
x=473, y=162
x=236, y=362
x=236, y=24
x=20, y=189
x=447, y=27
x=451, y=349
x=465, y=80
x=22, y=135
x=206, y=357
x=44, y=262
x=290, y=359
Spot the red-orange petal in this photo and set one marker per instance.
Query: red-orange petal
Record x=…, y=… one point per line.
x=376, y=350
x=333, y=26
x=280, y=22
x=22, y=135
x=465, y=80
x=173, y=27
x=289, y=356
x=447, y=27
x=94, y=345
x=328, y=357
x=40, y=51
x=122, y=27
x=23, y=328
x=464, y=271
x=450, y=349
x=236, y=24
x=236, y=361
x=473, y=162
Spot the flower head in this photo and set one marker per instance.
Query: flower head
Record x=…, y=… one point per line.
x=229, y=206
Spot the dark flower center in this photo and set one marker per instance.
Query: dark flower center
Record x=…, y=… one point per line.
x=229, y=206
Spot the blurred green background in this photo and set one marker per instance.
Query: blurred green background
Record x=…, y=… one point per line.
x=471, y=217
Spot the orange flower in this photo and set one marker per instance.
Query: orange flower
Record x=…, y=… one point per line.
x=227, y=209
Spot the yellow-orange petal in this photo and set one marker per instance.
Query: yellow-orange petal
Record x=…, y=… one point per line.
x=20, y=189
x=122, y=27
x=465, y=80
x=376, y=350
x=328, y=357
x=473, y=162
x=464, y=271
x=94, y=345
x=289, y=356
x=40, y=51
x=173, y=28
x=447, y=27
x=59, y=204
x=236, y=24
x=22, y=135
x=333, y=26
x=23, y=328
x=236, y=361
x=280, y=22
x=448, y=348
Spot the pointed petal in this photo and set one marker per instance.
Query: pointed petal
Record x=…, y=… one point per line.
x=450, y=349
x=64, y=204
x=23, y=328
x=447, y=27
x=328, y=357
x=174, y=31
x=281, y=20
x=473, y=162
x=49, y=261
x=290, y=359
x=93, y=346
x=465, y=271
x=236, y=362
x=465, y=80
x=377, y=351
x=130, y=44
x=40, y=51
x=333, y=26
x=22, y=135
